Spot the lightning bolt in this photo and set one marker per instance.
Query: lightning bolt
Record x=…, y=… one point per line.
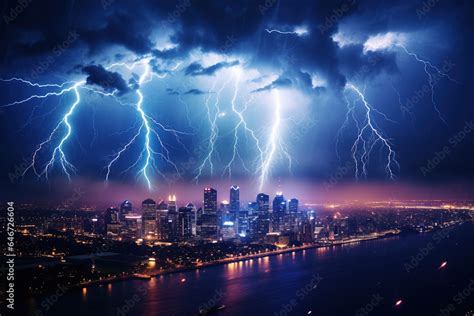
x=148, y=127
x=242, y=123
x=431, y=71
x=403, y=108
x=273, y=142
x=298, y=31
x=349, y=114
x=212, y=119
x=368, y=136
x=58, y=151
x=38, y=85
x=38, y=96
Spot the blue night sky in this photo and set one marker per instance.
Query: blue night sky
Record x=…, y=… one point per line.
x=135, y=95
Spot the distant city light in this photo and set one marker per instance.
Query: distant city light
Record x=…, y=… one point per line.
x=443, y=265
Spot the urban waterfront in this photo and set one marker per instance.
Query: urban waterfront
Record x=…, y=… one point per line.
x=343, y=280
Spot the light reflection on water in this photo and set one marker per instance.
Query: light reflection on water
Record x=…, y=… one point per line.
x=267, y=282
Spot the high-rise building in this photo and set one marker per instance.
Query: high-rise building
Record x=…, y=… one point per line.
x=112, y=223
x=172, y=225
x=278, y=212
x=134, y=225
x=194, y=218
x=209, y=221
x=234, y=199
x=243, y=228
x=125, y=208
x=223, y=213
x=252, y=208
x=162, y=221
x=260, y=225
x=228, y=230
x=293, y=205
x=184, y=223
x=234, y=207
x=210, y=201
x=292, y=221
x=112, y=215
x=263, y=203
x=149, y=219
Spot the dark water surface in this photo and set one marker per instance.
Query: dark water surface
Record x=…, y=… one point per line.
x=370, y=274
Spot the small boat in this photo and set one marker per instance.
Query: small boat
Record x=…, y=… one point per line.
x=211, y=310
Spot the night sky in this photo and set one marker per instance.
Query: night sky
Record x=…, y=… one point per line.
x=138, y=98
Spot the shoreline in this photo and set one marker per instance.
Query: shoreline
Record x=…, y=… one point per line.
x=147, y=276
x=274, y=253
x=154, y=274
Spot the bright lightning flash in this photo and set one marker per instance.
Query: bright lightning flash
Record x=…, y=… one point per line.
x=274, y=145
x=433, y=73
x=298, y=31
x=368, y=136
x=149, y=127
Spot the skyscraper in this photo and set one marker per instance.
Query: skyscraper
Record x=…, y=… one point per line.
x=194, y=218
x=172, y=225
x=162, y=221
x=210, y=201
x=149, y=218
x=111, y=215
x=125, y=208
x=234, y=199
x=234, y=207
x=293, y=205
x=279, y=212
x=184, y=223
x=209, y=221
x=261, y=224
x=293, y=214
x=112, y=223
x=224, y=214
x=263, y=203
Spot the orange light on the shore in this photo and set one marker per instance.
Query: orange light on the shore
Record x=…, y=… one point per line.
x=398, y=303
x=443, y=265
x=84, y=291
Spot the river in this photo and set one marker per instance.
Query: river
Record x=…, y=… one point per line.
x=365, y=278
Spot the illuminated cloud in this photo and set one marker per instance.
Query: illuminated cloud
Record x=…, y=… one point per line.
x=385, y=41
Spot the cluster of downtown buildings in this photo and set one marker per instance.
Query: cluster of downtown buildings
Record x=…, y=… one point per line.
x=260, y=221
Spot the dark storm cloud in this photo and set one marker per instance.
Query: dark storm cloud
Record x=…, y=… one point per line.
x=195, y=92
x=108, y=80
x=195, y=69
x=277, y=83
x=237, y=29
x=223, y=27
x=122, y=29
x=171, y=91
x=358, y=66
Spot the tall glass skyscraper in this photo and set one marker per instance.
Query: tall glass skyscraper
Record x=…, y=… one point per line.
x=262, y=223
x=209, y=222
x=125, y=208
x=149, y=218
x=279, y=212
x=234, y=199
